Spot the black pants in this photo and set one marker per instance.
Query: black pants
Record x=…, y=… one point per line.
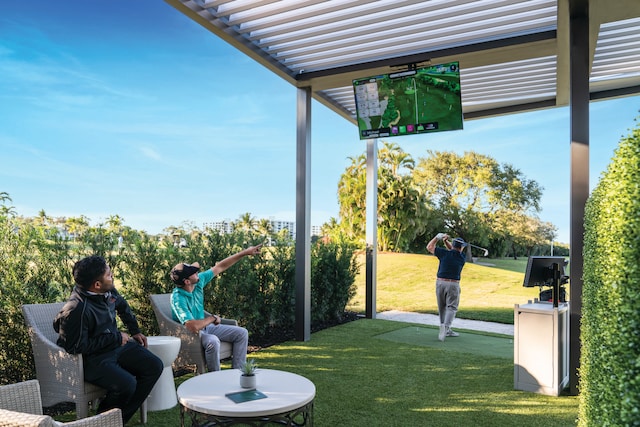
x=127, y=373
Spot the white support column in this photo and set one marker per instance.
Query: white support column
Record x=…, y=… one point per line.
x=371, y=227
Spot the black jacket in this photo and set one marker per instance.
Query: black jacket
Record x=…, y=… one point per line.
x=87, y=323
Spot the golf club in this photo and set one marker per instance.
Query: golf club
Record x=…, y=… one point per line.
x=486, y=251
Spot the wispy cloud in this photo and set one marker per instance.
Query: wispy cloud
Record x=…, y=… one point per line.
x=150, y=153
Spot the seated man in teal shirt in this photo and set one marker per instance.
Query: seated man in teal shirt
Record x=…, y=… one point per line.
x=187, y=307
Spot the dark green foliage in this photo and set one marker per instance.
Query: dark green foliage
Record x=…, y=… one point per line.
x=259, y=291
x=32, y=270
x=610, y=361
x=145, y=271
x=333, y=267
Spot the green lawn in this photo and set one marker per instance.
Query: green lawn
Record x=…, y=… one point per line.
x=370, y=373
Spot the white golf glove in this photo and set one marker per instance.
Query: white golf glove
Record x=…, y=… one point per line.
x=439, y=236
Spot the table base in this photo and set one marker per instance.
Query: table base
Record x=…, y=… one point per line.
x=298, y=417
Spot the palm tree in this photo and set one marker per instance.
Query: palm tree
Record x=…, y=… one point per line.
x=352, y=189
x=77, y=225
x=4, y=209
x=264, y=227
x=246, y=222
x=114, y=223
x=395, y=158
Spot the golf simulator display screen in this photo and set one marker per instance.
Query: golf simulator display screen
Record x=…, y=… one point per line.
x=409, y=102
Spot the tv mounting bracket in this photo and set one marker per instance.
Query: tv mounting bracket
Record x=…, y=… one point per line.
x=412, y=66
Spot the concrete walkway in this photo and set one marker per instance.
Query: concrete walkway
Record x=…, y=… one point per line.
x=432, y=319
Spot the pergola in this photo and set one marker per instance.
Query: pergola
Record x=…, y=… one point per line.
x=514, y=56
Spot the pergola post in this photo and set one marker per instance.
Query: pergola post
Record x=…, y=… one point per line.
x=303, y=215
x=579, y=107
x=371, y=228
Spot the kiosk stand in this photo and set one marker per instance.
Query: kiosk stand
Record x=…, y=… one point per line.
x=541, y=332
x=540, y=352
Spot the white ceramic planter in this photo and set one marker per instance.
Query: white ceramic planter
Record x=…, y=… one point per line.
x=248, y=381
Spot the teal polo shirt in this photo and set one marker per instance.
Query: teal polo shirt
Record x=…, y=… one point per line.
x=186, y=305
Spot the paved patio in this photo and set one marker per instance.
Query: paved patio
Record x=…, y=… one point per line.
x=432, y=319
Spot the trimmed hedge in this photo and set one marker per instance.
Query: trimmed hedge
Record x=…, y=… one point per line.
x=610, y=360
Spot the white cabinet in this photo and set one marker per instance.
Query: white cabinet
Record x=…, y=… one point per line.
x=541, y=347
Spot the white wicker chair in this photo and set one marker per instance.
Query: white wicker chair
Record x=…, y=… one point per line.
x=60, y=374
x=191, y=351
x=21, y=406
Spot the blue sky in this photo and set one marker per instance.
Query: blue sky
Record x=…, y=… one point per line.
x=129, y=108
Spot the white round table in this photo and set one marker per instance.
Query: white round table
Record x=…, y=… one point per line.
x=163, y=395
x=289, y=399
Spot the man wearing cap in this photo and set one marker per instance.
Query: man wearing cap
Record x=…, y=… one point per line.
x=187, y=307
x=452, y=260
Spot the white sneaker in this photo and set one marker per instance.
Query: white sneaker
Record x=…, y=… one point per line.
x=443, y=332
x=452, y=333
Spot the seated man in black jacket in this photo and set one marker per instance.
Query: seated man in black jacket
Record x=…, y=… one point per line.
x=116, y=361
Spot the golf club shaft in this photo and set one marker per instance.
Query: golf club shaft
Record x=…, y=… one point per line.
x=486, y=251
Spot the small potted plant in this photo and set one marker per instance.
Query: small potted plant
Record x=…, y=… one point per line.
x=248, y=377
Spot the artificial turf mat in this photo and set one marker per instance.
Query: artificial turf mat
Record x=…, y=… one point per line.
x=467, y=342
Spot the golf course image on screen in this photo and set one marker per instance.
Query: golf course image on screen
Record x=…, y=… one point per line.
x=409, y=102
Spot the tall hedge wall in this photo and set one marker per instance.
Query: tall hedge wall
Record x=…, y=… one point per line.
x=610, y=363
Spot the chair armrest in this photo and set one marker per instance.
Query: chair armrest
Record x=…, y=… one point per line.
x=22, y=397
x=21, y=419
x=223, y=321
x=110, y=418
x=55, y=368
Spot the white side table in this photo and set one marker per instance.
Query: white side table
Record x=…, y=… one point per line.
x=163, y=395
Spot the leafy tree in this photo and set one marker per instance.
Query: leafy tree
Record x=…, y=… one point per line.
x=402, y=208
x=352, y=194
x=523, y=233
x=467, y=190
x=77, y=225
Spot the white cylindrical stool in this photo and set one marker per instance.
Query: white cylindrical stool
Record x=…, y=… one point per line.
x=163, y=396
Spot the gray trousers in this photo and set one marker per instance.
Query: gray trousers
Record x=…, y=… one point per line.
x=211, y=337
x=448, y=298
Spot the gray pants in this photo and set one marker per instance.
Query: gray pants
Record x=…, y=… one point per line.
x=448, y=298
x=211, y=337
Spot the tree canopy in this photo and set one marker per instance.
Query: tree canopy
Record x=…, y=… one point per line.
x=470, y=195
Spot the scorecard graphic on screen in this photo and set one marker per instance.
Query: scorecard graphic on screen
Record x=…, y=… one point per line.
x=409, y=102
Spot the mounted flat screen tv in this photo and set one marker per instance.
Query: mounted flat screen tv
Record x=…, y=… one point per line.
x=411, y=102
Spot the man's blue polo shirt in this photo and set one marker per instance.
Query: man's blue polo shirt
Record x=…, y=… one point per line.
x=186, y=305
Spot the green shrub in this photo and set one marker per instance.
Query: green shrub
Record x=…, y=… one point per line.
x=333, y=274
x=610, y=360
x=259, y=291
x=32, y=270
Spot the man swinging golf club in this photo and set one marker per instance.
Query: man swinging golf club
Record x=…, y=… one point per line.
x=452, y=260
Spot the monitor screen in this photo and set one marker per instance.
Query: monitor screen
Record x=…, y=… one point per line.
x=409, y=102
x=540, y=272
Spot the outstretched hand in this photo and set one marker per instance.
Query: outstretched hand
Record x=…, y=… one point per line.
x=253, y=250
